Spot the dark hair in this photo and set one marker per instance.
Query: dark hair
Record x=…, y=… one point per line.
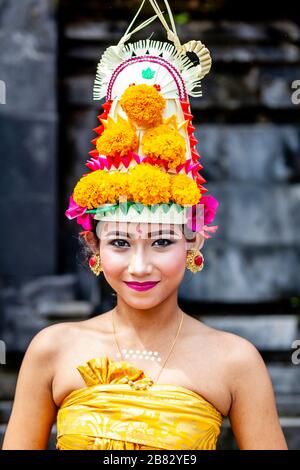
x=85, y=252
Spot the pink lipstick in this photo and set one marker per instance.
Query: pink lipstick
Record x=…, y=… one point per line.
x=141, y=286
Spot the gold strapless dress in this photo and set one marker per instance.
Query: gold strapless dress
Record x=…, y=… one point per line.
x=108, y=414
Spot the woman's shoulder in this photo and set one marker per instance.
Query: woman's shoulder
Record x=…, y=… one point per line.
x=57, y=337
x=243, y=356
x=229, y=342
x=50, y=339
x=237, y=348
x=241, y=359
x=235, y=352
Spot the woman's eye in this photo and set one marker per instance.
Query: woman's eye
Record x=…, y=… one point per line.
x=164, y=240
x=119, y=240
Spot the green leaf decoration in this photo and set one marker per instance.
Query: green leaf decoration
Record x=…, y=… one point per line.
x=139, y=207
x=179, y=208
x=148, y=73
x=111, y=211
x=124, y=207
x=103, y=210
x=165, y=208
x=154, y=207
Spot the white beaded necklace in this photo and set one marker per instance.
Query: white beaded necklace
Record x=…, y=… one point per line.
x=144, y=354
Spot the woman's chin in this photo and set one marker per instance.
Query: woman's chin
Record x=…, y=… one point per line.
x=138, y=301
x=142, y=303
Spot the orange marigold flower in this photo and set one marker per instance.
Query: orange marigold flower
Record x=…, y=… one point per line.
x=92, y=189
x=118, y=186
x=118, y=138
x=143, y=104
x=148, y=184
x=165, y=143
x=184, y=190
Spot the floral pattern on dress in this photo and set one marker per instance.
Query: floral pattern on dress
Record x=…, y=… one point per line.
x=109, y=414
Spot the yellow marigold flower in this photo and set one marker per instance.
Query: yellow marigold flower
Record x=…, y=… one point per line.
x=148, y=184
x=143, y=104
x=165, y=143
x=184, y=190
x=92, y=189
x=118, y=186
x=119, y=137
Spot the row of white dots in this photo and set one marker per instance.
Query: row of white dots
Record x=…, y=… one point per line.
x=152, y=358
x=137, y=351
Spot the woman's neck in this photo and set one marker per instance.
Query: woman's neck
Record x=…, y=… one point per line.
x=145, y=325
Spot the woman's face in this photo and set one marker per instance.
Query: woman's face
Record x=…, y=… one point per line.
x=141, y=252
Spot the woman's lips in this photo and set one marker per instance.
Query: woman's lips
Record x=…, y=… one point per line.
x=141, y=286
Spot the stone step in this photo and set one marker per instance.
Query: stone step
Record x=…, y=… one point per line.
x=288, y=405
x=285, y=379
x=36, y=304
x=56, y=288
x=273, y=332
x=71, y=310
x=5, y=410
x=8, y=381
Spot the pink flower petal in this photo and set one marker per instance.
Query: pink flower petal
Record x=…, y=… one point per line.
x=74, y=210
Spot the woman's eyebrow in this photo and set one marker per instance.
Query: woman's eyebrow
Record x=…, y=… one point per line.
x=150, y=234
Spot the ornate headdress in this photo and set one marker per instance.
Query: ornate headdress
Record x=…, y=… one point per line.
x=145, y=167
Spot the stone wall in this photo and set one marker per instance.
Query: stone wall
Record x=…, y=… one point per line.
x=28, y=126
x=249, y=142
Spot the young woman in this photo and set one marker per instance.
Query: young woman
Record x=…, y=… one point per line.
x=209, y=374
x=145, y=375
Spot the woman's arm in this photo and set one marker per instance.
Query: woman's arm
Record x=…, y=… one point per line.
x=34, y=411
x=253, y=414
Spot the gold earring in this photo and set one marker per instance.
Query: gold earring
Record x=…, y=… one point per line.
x=195, y=260
x=95, y=264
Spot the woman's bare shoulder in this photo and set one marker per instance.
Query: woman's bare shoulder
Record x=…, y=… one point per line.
x=241, y=359
x=237, y=346
x=244, y=358
x=56, y=337
x=239, y=349
x=234, y=352
x=50, y=339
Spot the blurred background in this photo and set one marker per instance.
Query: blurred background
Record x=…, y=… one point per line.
x=249, y=141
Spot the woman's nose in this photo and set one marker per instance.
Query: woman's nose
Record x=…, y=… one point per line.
x=139, y=263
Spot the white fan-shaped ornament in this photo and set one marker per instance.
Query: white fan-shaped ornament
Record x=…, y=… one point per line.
x=191, y=74
x=203, y=55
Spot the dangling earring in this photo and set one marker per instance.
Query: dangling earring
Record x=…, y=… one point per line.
x=95, y=264
x=195, y=260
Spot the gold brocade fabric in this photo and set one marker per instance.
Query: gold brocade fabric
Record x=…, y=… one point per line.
x=109, y=414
